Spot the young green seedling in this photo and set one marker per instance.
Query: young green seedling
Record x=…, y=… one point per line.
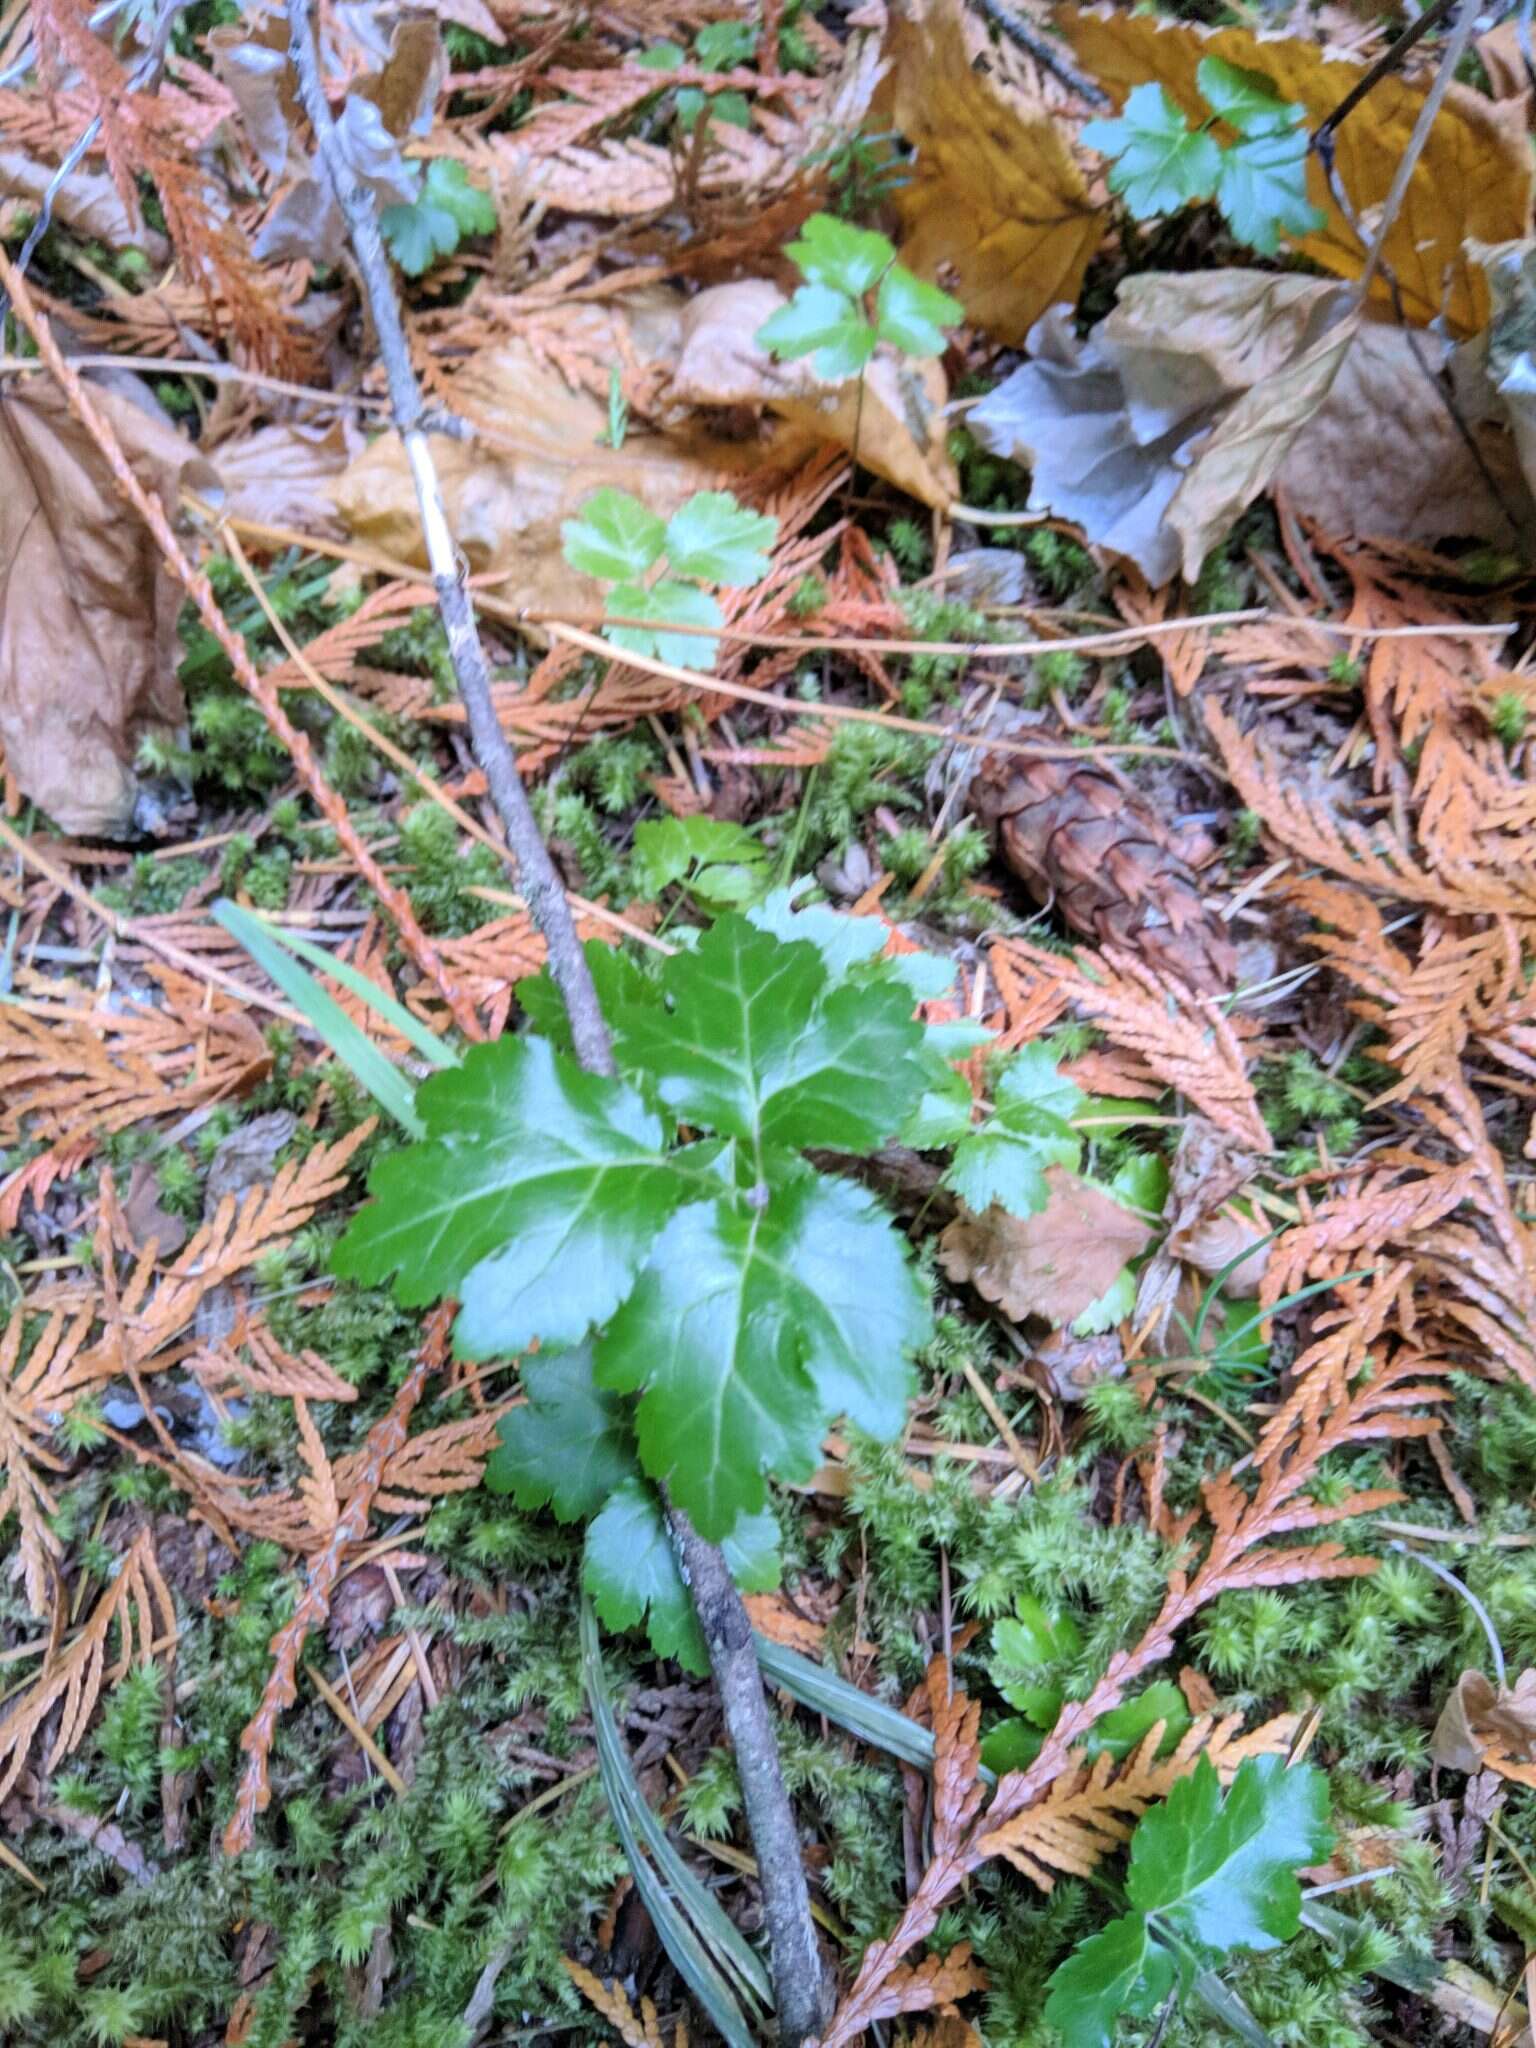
x=1258, y=179
x=855, y=296
x=658, y=568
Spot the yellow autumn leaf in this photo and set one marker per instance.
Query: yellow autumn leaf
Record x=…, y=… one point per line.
x=1474, y=178
x=996, y=201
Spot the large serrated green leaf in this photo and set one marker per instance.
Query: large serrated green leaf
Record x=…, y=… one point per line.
x=668, y=604
x=752, y=1328
x=1221, y=1873
x=1263, y=189
x=1118, y=1970
x=569, y=1445
x=534, y=1198
x=757, y=1047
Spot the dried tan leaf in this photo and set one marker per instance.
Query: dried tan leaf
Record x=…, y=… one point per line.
x=534, y=462
x=285, y=475
x=893, y=418
x=1473, y=179
x=995, y=202
x=70, y=1682
x=87, y=201
x=88, y=647
x=1483, y=1726
x=1054, y=1264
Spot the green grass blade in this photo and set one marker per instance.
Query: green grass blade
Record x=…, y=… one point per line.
x=394, y=1014
x=824, y=1692
x=682, y=1910
x=351, y=1045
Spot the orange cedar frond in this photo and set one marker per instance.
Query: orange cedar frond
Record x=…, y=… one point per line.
x=1091, y=1809
x=1302, y=821
x=636, y=2030
x=1188, y=1044
x=138, y=1602
x=936, y=1981
x=1183, y=655
x=24, y=1460
x=957, y=1787
x=267, y=1368
x=383, y=1442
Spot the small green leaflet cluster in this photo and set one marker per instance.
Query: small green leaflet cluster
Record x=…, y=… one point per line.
x=718, y=46
x=446, y=209
x=1030, y=1648
x=746, y=1299
x=711, y=539
x=1259, y=181
x=1207, y=1876
x=1039, y=1120
x=855, y=296
x=718, y=863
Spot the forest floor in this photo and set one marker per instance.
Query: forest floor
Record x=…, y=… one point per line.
x=1175, y=698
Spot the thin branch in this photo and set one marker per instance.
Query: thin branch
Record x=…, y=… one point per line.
x=1044, y=51
x=727, y=1630
x=1456, y=48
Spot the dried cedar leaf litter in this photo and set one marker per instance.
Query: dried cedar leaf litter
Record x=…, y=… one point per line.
x=1088, y=1213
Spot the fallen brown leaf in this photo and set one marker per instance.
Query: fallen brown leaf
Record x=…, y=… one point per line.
x=895, y=420
x=995, y=196
x=1054, y=1264
x=536, y=458
x=1474, y=178
x=285, y=474
x=88, y=646
x=1485, y=1727
x=87, y=201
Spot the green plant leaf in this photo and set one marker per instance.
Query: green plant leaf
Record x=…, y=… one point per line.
x=1263, y=189
x=719, y=541
x=1159, y=163
x=1221, y=1873
x=752, y=1328
x=1012, y=1745
x=365, y=1061
x=630, y=1571
x=722, y=863
x=630, y=1574
x=722, y=45
x=843, y=942
x=1118, y=1970
x=613, y=536
x=1123, y=1727
x=1026, y=1640
x=756, y=1046
x=569, y=1445
x=534, y=1198
x=1004, y=1160
x=733, y=108
x=616, y=977
x=1247, y=99
x=677, y=604
x=832, y=252
x=663, y=56
x=912, y=315
x=822, y=319
x=447, y=209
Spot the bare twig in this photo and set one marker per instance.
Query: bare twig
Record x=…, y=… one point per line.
x=786, y=1899
x=1456, y=48
x=1044, y=50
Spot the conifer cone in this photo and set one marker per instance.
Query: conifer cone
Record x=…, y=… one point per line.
x=1099, y=854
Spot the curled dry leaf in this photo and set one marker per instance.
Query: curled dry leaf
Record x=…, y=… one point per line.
x=88, y=646
x=1199, y=392
x=894, y=418
x=87, y=201
x=1486, y=1727
x=995, y=199
x=285, y=474
x=1053, y=1264
x=1474, y=177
